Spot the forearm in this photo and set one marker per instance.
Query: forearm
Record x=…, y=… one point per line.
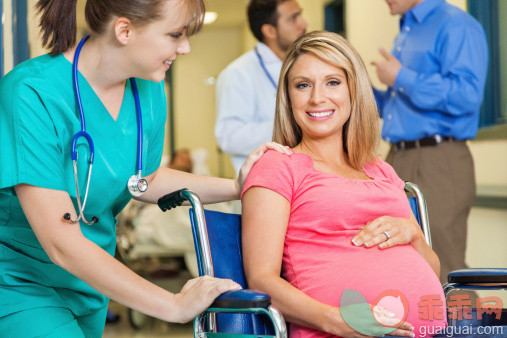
x=109, y=277
x=210, y=189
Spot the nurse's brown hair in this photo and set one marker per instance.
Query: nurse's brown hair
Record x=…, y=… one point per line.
x=58, y=17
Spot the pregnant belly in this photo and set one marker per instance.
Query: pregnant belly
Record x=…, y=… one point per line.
x=325, y=274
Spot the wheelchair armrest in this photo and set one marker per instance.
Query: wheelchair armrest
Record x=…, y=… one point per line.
x=475, y=275
x=242, y=299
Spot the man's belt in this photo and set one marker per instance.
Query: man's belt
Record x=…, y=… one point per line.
x=424, y=142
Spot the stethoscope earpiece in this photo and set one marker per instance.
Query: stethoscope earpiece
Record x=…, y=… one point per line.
x=137, y=185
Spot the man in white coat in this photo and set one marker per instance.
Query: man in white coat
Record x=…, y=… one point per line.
x=246, y=89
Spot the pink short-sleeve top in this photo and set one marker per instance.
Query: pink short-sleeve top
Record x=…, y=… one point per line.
x=326, y=212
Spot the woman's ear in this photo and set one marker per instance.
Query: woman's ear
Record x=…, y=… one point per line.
x=123, y=30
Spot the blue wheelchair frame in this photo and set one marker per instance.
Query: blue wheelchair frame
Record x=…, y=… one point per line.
x=218, y=251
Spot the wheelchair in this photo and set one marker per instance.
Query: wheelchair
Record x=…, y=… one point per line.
x=217, y=240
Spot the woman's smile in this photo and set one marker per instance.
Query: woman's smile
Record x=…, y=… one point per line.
x=320, y=115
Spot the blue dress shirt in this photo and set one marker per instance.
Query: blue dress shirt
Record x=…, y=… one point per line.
x=439, y=89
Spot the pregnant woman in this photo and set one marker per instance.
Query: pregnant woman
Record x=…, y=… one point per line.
x=333, y=216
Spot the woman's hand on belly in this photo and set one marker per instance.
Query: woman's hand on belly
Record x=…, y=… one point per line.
x=336, y=325
x=387, y=231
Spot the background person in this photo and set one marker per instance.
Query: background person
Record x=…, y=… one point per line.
x=332, y=216
x=246, y=89
x=55, y=274
x=435, y=77
x=181, y=160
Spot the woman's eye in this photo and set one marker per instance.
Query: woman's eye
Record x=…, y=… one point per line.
x=301, y=85
x=334, y=82
x=176, y=35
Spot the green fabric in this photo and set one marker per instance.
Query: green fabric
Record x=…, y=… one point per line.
x=38, y=118
x=52, y=322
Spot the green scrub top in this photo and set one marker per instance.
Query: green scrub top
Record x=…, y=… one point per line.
x=38, y=119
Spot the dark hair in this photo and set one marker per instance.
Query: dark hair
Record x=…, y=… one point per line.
x=58, y=17
x=262, y=12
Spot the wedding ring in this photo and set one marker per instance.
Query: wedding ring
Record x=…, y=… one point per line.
x=387, y=235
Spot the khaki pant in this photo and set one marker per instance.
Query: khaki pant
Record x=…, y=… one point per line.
x=445, y=174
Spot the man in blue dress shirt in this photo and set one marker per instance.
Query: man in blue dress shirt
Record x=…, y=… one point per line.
x=435, y=76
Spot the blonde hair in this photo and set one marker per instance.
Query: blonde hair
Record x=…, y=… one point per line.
x=361, y=131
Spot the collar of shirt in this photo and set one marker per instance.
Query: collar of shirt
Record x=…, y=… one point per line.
x=419, y=12
x=267, y=54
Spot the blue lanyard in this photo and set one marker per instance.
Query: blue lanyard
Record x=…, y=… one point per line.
x=265, y=69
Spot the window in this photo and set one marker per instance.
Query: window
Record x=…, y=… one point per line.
x=488, y=13
x=13, y=34
x=334, y=13
x=1, y=39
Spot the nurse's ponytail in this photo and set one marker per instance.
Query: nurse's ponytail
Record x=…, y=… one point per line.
x=58, y=24
x=58, y=17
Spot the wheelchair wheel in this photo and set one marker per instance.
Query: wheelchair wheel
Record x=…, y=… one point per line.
x=138, y=320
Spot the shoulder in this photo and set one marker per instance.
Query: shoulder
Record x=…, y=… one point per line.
x=277, y=172
x=275, y=161
x=35, y=81
x=456, y=20
x=381, y=167
x=30, y=73
x=242, y=67
x=27, y=84
x=282, y=167
x=384, y=171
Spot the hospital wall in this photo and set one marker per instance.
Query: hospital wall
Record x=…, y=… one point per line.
x=368, y=26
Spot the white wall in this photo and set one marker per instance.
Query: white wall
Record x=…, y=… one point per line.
x=212, y=50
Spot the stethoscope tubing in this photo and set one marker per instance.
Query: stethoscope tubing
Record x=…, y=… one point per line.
x=80, y=105
x=139, y=126
x=137, y=179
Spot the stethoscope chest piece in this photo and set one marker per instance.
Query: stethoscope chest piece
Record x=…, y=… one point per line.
x=137, y=185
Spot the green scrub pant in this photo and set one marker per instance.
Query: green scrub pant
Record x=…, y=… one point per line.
x=53, y=322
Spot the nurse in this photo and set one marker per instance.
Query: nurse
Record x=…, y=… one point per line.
x=56, y=276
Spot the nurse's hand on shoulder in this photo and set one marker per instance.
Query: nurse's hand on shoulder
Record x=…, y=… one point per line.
x=254, y=156
x=198, y=294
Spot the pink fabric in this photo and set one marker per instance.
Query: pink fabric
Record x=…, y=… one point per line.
x=326, y=213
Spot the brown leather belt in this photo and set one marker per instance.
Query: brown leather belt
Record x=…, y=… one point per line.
x=424, y=142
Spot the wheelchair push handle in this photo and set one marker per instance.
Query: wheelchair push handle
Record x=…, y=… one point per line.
x=172, y=200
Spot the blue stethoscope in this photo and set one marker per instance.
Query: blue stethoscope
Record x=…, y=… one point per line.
x=137, y=185
x=261, y=61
